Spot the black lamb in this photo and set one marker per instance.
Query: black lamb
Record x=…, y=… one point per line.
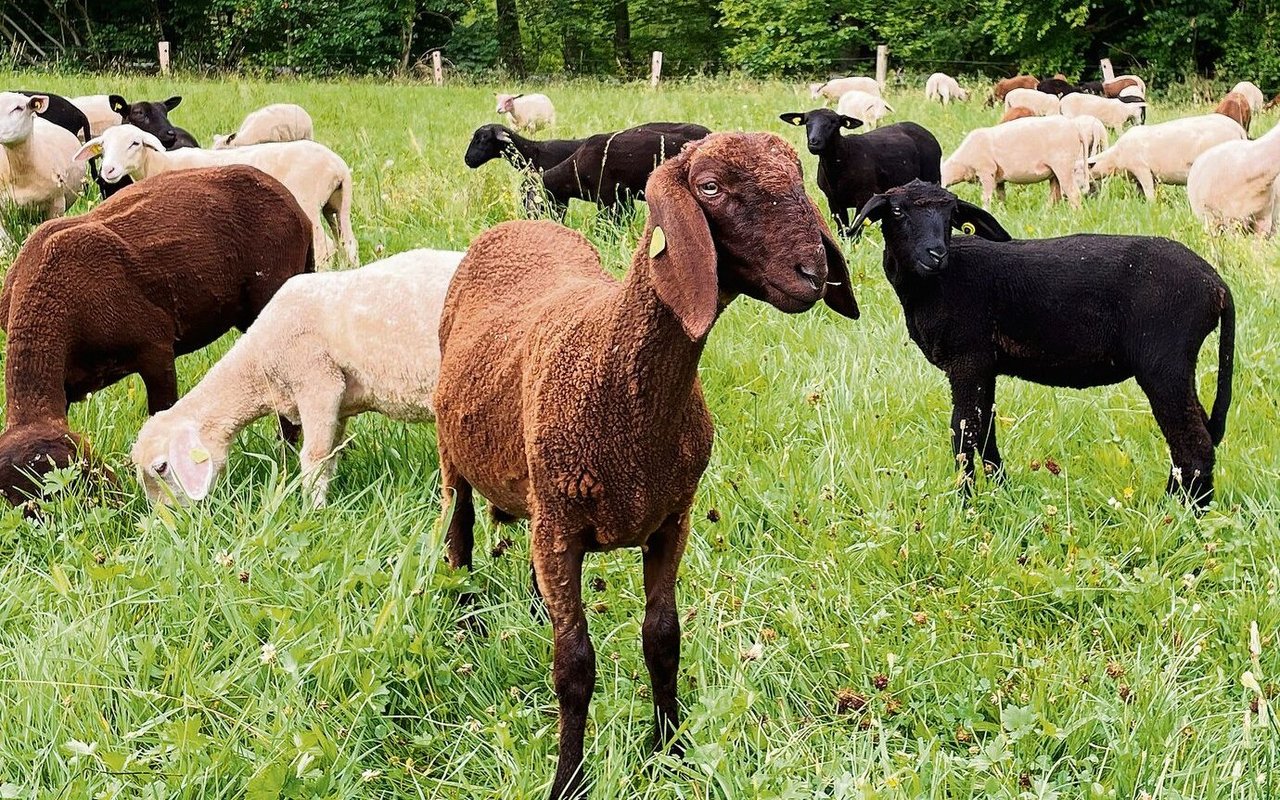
x=1079, y=311
x=608, y=168
x=852, y=168
x=498, y=141
x=1057, y=87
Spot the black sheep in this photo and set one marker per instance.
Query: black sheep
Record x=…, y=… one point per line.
x=1057, y=87
x=498, y=141
x=1078, y=311
x=152, y=117
x=610, y=167
x=852, y=168
x=1091, y=87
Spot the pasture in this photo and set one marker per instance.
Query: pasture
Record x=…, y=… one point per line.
x=851, y=627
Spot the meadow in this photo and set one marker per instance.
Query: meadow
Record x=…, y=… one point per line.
x=852, y=627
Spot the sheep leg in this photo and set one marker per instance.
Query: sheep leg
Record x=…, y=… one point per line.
x=972, y=421
x=1148, y=183
x=1184, y=424
x=1055, y=189
x=990, y=186
x=537, y=603
x=160, y=377
x=321, y=429
x=460, y=535
x=574, y=658
x=661, y=630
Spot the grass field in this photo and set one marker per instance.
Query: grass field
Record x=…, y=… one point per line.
x=852, y=629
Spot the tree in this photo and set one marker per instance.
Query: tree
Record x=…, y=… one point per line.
x=622, y=34
x=509, y=49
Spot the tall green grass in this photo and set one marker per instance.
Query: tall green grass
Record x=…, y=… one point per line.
x=852, y=629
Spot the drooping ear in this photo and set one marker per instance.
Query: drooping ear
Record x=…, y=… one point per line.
x=984, y=224
x=150, y=140
x=793, y=118
x=88, y=150
x=872, y=210
x=173, y=102
x=38, y=103
x=839, y=291
x=682, y=256
x=191, y=462
x=850, y=122
x=118, y=104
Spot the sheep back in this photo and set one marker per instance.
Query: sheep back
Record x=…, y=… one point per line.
x=609, y=166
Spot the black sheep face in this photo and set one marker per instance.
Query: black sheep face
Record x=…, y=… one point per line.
x=917, y=220
x=150, y=117
x=822, y=126
x=487, y=143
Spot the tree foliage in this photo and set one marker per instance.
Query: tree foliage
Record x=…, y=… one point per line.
x=1163, y=39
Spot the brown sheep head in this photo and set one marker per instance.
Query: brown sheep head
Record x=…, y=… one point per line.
x=28, y=452
x=730, y=216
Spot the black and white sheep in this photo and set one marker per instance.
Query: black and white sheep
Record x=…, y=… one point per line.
x=1078, y=311
x=852, y=168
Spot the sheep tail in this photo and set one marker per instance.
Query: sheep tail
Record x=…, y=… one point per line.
x=1226, y=367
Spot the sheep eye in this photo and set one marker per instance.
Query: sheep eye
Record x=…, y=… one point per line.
x=709, y=188
x=160, y=468
x=134, y=144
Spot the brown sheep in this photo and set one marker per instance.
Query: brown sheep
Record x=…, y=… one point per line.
x=1006, y=85
x=572, y=398
x=155, y=272
x=1115, y=87
x=1017, y=112
x=1272, y=103
x=1236, y=106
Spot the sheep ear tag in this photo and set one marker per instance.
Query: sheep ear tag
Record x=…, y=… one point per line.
x=657, y=242
x=199, y=455
x=968, y=229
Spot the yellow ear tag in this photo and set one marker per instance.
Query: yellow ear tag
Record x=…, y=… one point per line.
x=968, y=229
x=797, y=122
x=657, y=242
x=199, y=455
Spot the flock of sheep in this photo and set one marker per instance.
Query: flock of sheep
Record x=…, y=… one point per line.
x=561, y=394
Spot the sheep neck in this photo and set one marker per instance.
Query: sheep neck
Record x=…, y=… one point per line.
x=656, y=359
x=22, y=155
x=234, y=393
x=35, y=371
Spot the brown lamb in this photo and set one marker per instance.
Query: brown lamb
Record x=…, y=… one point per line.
x=572, y=398
x=155, y=272
x=1114, y=88
x=1236, y=106
x=1006, y=85
x=1017, y=112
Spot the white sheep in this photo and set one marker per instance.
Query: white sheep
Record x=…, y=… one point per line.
x=834, y=89
x=278, y=122
x=1113, y=113
x=39, y=171
x=1165, y=152
x=1021, y=151
x=942, y=87
x=1141, y=84
x=527, y=111
x=1132, y=91
x=1251, y=93
x=1044, y=105
x=869, y=108
x=97, y=108
x=328, y=346
x=1237, y=183
x=1093, y=134
x=317, y=177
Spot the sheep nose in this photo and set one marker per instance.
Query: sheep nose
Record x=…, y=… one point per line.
x=937, y=254
x=815, y=274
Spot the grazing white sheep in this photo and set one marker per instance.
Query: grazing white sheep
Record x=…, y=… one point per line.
x=328, y=346
x=834, y=89
x=97, y=108
x=1113, y=113
x=943, y=88
x=39, y=171
x=1237, y=183
x=1021, y=151
x=317, y=176
x=1132, y=91
x=1044, y=105
x=869, y=108
x=1251, y=93
x=278, y=122
x=1141, y=84
x=1093, y=134
x=527, y=111
x=1164, y=153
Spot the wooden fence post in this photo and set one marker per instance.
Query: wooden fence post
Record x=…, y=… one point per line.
x=437, y=70
x=655, y=71
x=1108, y=72
x=882, y=64
x=164, y=58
